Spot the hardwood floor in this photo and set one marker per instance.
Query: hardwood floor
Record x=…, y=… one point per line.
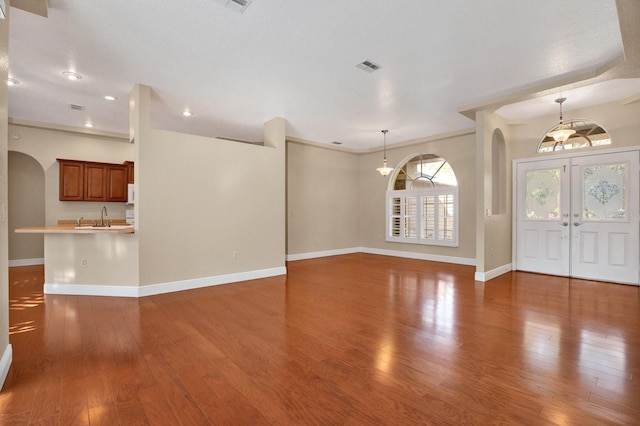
x=356, y=339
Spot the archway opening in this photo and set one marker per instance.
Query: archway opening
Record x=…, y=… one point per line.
x=26, y=207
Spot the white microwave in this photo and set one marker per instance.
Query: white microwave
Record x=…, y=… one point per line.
x=131, y=193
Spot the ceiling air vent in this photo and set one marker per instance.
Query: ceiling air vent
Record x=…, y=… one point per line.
x=368, y=66
x=238, y=5
x=76, y=107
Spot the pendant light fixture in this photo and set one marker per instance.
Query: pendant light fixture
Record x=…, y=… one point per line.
x=559, y=133
x=384, y=170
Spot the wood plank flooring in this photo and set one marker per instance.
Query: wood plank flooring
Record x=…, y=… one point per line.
x=356, y=339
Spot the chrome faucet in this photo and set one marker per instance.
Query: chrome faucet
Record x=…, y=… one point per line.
x=103, y=213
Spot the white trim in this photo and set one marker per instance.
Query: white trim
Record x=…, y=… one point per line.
x=91, y=290
x=384, y=252
x=325, y=253
x=26, y=262
x=420, y=256
x=546, y=156
x=5, y=363
x=489, y=275
x=419, y=195
x=149, y=290
x=161, y=288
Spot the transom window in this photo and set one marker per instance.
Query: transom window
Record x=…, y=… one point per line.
x=422, y=207
x=587, y=134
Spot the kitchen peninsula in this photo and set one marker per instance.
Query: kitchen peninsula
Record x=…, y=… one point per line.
x=89, y=260
x=71, y=229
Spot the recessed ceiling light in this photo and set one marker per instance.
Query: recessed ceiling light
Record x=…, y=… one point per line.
x=88, y=124
x=187, y=113
x=72, y=75
x=12, y=81
x=110, y=98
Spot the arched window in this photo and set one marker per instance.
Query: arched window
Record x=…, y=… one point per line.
x=587, y=134
x=422, y=202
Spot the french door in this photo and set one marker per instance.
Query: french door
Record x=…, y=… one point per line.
x=579, y=217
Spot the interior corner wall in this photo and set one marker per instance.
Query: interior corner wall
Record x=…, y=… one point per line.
x=459, y=151
x=322, y=199
x=493, y=231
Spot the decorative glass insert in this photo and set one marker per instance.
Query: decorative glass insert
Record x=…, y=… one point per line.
x=542, y=198
x=604, y=192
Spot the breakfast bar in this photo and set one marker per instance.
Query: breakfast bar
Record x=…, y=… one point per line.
x=88, y=259
x=70, y=229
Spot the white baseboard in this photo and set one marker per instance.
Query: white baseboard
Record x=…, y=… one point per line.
x=396, y=253
x=91, y=290
x=153, y=289
x=5, y=364
x=26, y=262
x=420, y=256
x=489, y=275
x=149, y=290
x=326, y=253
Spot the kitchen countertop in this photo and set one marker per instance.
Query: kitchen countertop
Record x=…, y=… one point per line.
x=117, y=229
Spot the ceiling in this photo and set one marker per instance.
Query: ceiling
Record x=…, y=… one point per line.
x=297, y=60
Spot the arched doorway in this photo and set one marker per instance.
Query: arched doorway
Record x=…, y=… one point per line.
x=26, y=207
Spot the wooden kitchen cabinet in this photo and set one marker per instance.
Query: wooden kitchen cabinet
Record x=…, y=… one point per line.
x=71, y=180
x=117, y=183
x=95, y=182
x=91, y=181
x=130, y=169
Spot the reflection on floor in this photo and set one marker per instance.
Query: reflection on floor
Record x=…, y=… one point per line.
x=359, y=339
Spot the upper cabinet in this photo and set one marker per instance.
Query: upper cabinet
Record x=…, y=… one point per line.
x=130, y=170
x=95, y=182
x=91, y=181
x=71, y=180
x=116, y=182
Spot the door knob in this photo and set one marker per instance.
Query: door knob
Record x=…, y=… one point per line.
x=564, y=223
x=576, y=224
